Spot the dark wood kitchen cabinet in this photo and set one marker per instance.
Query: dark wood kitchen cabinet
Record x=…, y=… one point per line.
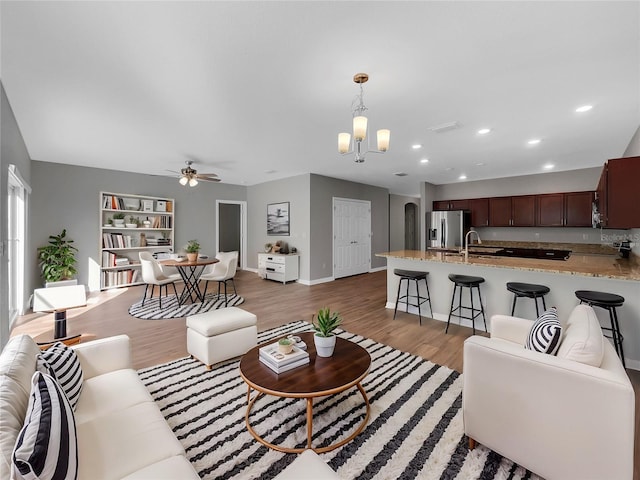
x=550, y=210
x=479, y=212
x=440, y=205
x=500, y=212
x=451, y=205
x=523, y=211
x=619, y=193
x=578, y=209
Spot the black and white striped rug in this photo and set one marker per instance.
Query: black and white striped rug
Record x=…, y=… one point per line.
x=415, y=429
x=170, y=308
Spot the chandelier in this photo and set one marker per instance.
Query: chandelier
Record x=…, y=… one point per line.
x=360, y=128
x=188, y=176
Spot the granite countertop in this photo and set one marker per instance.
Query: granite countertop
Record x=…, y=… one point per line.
x=587, y=264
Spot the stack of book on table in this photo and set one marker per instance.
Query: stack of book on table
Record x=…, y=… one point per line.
x=279, y=362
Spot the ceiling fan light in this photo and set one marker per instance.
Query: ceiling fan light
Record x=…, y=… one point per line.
x=183, y=180
x=359, y=127
x=344, y=140
x=383, y=139
x=193, y=182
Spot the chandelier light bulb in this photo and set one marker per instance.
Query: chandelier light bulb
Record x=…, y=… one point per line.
x=183, y=180
x=193, y=182
x=344, y=141
x=383, y=139
x=359, y=127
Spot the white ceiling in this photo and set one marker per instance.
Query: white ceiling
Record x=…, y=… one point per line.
x=244, y=88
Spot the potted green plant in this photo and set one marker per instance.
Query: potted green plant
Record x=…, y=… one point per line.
x=58, y=259
x=118, y=219
x=324, y=338
x=285, y=346
x=192, y=249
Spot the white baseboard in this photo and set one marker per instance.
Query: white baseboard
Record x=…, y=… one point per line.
x=377, y=269
x=316, y=281
x=254, y=270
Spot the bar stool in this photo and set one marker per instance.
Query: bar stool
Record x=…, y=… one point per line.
x=529, y=290
x=609, y=302
x=416, y=277
x=466, y=281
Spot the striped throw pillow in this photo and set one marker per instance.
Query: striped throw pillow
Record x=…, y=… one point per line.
x=62, y=363
x=545, y=333
x=47, y=447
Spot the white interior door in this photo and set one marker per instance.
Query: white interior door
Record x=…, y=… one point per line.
x=351, y=237
x=19, y=192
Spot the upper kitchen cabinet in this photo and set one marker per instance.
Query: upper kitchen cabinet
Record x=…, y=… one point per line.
x=578, y=210
x=619, y=193
x=479, y=212
x=523, y=211
x=551, y=210
x=450, y=205
x=500, y=212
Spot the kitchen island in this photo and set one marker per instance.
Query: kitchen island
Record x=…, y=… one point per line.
x=606, y=273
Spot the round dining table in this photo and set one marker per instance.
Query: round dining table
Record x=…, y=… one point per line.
x=190, y=273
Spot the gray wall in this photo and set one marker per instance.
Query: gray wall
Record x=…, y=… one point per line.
x=66, y=196
x=396, y=220
x=13, y=151
x=323, y=190
x=294, y=190
x=633, y=150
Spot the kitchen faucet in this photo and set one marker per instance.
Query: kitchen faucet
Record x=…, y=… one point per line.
x=466, y=244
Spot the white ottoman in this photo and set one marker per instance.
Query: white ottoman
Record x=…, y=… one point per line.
x=221, y=334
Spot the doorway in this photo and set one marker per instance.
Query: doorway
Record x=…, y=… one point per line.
x=231, y=225
x=410, y=216
x=351, y=237
x=17, y=235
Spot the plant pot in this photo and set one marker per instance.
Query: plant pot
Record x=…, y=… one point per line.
x=324, y=345
x=118, y=223
x=192, y=257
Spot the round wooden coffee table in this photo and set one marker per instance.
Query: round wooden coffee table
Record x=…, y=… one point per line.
x=348, y=366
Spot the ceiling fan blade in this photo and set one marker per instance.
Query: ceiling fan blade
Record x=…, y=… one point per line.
x=207, y=179
x=208, y=174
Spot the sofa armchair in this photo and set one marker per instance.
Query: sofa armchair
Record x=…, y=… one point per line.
x=569, y=416
x=121, y=433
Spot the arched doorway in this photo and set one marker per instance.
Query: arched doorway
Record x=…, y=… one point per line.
x=410, y=226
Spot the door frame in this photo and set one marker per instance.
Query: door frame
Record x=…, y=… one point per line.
x=243, y=228
x=333, y=233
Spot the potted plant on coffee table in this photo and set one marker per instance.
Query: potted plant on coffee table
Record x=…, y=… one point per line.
x=192, y=249
x=324, y=338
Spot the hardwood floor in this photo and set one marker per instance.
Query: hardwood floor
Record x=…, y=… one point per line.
x=360, y=300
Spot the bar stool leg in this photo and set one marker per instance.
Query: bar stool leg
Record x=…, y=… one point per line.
x=418, y=296
x=616, y=333
x=453, y=297
x=484, y=318
x=513, y=306
x=544, y=305
x=406, y=297
x=395, y=310
x=428, y=297
x=473, y=317
x=535, y=299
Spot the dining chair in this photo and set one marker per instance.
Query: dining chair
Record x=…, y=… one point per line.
x=221, y=272
x=153, y=275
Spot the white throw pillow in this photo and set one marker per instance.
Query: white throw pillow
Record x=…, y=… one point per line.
x=62, y=363
x=47, y=447
x=583, y=340
x=545, y=333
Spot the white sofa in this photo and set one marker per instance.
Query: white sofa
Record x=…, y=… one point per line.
x=554, y=415
x=121, y=432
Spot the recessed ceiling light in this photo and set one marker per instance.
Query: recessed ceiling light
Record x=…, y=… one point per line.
x=416, y=146
x=584, y=108
x=401, y=174
x=484, y=131
x=534, y=141
x=424, y=160
x=548, y=166
x=479, y=164
x=462, y=177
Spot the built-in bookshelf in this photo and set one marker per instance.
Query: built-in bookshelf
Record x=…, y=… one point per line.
x=130, y=224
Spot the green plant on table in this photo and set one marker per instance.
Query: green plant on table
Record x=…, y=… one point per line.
x=327, y=322
x=58, y=259
x=285, y=341
x=192, y=246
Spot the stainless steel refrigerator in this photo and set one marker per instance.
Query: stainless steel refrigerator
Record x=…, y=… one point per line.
x=446, y=229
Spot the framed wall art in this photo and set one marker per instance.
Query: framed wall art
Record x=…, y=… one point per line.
x=278, y=218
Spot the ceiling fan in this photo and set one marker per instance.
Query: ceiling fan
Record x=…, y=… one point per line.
x=191, y=176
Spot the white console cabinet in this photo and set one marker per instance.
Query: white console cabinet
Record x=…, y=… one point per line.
x=281, y=268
